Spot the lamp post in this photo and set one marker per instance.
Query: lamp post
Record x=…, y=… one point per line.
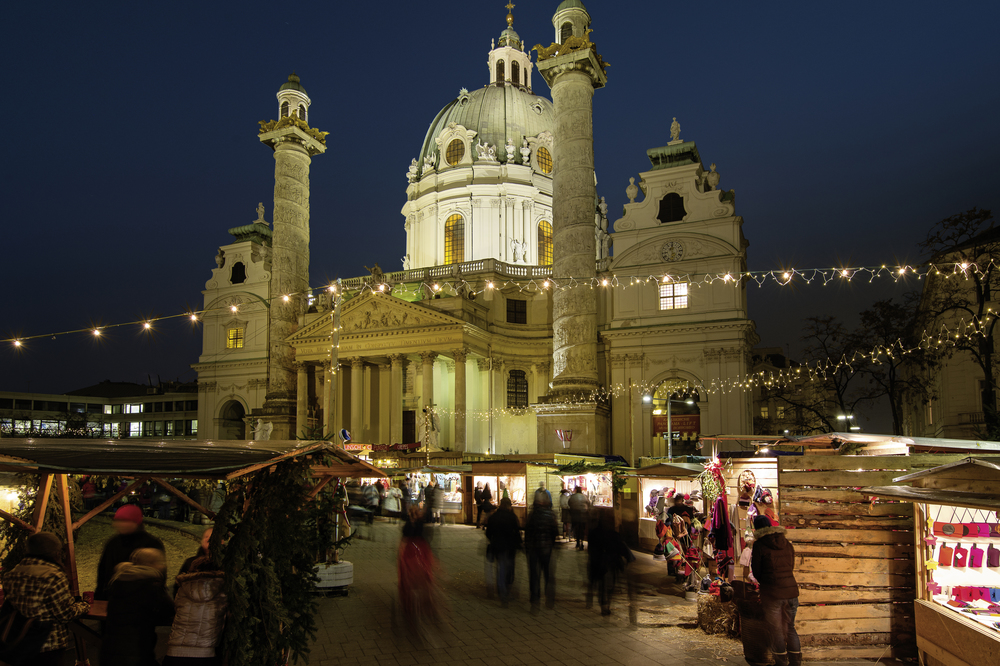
x=850, y=421
x=670, y=426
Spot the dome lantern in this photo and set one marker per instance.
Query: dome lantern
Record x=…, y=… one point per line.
x=508, y=63
x=293, y=100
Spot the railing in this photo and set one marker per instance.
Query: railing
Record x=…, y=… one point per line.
x=971, y=418
x=465, y=270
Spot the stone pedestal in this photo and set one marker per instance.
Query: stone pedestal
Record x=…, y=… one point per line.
x=589, y=421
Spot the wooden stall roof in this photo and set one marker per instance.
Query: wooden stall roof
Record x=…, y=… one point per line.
x=670, y=470
x=895, y=444
x=168, y=458
x=958, y=464
x=935, y=496
x=446, y=469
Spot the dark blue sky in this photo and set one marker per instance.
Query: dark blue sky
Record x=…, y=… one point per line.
x=846, y=129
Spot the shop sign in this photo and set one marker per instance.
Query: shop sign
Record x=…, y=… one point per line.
x=685, y=424
x=396, y=447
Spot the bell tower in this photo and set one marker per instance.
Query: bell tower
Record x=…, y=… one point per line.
x=294, y=144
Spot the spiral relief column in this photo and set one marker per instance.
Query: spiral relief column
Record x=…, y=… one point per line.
x=294, y=144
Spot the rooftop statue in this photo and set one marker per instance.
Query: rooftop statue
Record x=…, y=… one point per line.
x=675, y=130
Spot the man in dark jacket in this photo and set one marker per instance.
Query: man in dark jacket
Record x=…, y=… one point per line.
x=540, y=533
x=579, y=507
x=504, y=534
x=772, y=564
x=39, y=590
x=137, y=603
x=119, y=548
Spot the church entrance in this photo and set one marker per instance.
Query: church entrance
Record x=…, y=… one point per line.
x=409, y=427
x=231, y=423
x=681, y=422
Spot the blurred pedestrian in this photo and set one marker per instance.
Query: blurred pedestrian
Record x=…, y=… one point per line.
x=564, y=495
x=200, y=615
x=488, y=507
x=370, y=496
x=504, y=534
x=137, y=603
x=540, y=533
x=477, y=495
x=772, y=564
x=119, y=548
x=89, y=491
x=392, y=506
x=39, y=591
x=202, y=552
x=608, y=556
x=579, y=509
x=417, y=571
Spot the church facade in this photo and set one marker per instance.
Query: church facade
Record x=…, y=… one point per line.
x=456, y=350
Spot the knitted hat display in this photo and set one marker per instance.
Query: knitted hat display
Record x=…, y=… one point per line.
x=45, y=545
x=761, y=522
x=129, y=513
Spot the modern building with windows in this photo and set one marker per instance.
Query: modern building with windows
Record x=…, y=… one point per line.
x=109, y=409
x=457, y=347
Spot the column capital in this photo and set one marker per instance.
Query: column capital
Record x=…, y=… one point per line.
x=357, y=362
x=460, y=355
x=396, y=360
x=484, y=364
x=428, y=356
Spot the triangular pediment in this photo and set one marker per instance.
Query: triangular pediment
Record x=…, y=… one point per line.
x=376, y=312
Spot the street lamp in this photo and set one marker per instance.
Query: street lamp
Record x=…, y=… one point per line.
x=670, y=426
x=850, y=421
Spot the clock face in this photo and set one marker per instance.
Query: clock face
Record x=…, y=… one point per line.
x=672, y=251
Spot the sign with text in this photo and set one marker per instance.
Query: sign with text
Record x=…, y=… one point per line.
x=396, y=447
x=682, y=425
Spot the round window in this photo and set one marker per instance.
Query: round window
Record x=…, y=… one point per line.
x=544, y=160
x=455, y=152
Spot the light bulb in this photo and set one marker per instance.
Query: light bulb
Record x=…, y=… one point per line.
x=97, y=331
x=285, y=298
x=147, y=325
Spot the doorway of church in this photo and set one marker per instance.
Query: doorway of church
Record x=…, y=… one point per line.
x=677, y=416
x=232, y=425
x=409, y=427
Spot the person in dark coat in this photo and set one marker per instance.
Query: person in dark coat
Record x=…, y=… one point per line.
x=119, y=548
x=608, y=556
x=504, y=534
x=137, y=603
x=200, y=554
x=540, y=533
x=772, y=563
x=488, y=506
x=579, y=508
x=478, y=496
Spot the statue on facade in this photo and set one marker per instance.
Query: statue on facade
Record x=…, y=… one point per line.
x=675, y=130
x=510, y=147
x=411, y=173
x=486, y=152
x=525, y=152
x=517, y=249
x=429, y=163
x=713, y=177
x=406, y=262
x=260, y=212
x=378, y=277
x=220, y=259
x=430, y=427
x=262, y=431
x=601, y=236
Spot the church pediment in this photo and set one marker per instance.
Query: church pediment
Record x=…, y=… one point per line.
x=374, y=313
x=669, y=248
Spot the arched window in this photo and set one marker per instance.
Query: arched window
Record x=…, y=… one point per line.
x=544, y=159
x=544, y=243
x=455, y=151
x=302, y=111
x=238, y=273
x=671, y=208
x=566, y=32
x=515, y=73
x=454, y=240
x=517, y=390
x=500, y=72
x=284, y=109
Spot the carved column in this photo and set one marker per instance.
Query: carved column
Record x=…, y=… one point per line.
x=573, y=77
x=301, y=400
x=357, y=398
x=460, y=356
x=329, y=402
x=428, y=377
x=396, y=399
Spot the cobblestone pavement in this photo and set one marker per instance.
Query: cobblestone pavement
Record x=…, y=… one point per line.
x=365, y=626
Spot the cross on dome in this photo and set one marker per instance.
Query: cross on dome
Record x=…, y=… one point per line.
x=510, y=15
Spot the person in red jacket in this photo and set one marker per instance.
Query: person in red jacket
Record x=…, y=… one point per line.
x=772, y=563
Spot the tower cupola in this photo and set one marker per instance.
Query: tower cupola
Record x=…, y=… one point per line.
x=570, y=20
x=293, y=100
x=508, y=63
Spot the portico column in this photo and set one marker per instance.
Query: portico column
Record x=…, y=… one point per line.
x=460, y=356
x=428, y=378
x=357, y=397
x=396, y=399
x=329, y=398
x=301, y=399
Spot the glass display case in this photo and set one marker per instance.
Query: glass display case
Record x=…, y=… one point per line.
x=596, y=486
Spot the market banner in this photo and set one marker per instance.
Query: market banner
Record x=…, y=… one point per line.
x=396, y=447
x=685, y=424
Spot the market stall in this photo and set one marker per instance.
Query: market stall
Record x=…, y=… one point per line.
x=518, y=480
x=597, y=486
x=656, y=482
x=957, y=541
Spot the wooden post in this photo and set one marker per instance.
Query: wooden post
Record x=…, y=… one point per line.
x=184, y=498
x=74, y=583
x=42, y=501
x=17, y=521
x=108, y=502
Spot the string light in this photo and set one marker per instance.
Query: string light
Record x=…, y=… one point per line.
x=147, y=325
x=97, y=332
x=286, y=298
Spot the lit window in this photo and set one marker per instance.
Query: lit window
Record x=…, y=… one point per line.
x=133, y=409
x=515, y=73
x=674, y=296
x=544, y=243
x=779, y=411
x=454, y=240
x=544, y=158
x=764, y=412
x=455, y=152
x=234, y=338
x=500, y=73
x=517, y=390
x=107, y=409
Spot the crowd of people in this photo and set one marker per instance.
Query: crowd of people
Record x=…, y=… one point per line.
x=132, y=584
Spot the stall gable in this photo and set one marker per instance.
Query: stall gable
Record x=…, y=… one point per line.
x=854, y=557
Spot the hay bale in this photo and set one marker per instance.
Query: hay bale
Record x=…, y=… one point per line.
x=715, y=617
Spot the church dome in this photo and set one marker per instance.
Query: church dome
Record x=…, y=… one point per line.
x=497, y=113
x=566, y=4
x=293, y=84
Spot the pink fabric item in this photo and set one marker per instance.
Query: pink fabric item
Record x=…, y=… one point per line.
x=976, y=557
x=129, y=513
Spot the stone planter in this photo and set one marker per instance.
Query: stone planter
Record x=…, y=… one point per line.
x=335, y=576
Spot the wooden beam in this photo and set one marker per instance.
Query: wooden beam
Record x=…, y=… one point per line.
x=874, y=595
x=849, y=536
x=832, y=652
x=846, y=522
x=184, y=498
x=852, y=565
x=874, y=551
x=861, y=579
x=320, y=486
x=857, y=508
x=108, y=502
x=74, y=582
x=17, y=521
x=42, y=501
x=847, y=626
x=291, y=454
x=838, y=479
x=842, y=611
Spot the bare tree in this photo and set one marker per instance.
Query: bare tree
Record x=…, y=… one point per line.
x=965, y=248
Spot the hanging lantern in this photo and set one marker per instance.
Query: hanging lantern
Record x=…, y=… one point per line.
x=565, y=436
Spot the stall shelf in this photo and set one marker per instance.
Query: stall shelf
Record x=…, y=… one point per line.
x=680, y=477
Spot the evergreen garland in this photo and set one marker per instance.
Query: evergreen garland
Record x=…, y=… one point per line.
x=13, y=537
x=580, y=467
x=273, y=534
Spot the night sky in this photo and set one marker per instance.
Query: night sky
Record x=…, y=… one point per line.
x=846, y=129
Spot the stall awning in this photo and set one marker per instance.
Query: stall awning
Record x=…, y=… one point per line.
x=670, y=470
x=935, y=496
x=497, y=468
